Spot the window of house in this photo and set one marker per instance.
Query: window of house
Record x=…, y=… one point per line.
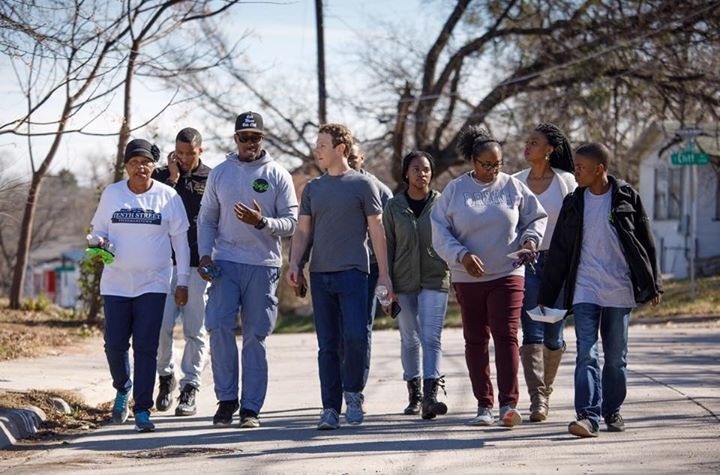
x=668, y=192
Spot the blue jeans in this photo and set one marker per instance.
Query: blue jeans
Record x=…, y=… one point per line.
x=550, y=334
x=138, y=318
x=193, y=324
x=250, y=290
x=421, y=320
x=372, y=308
x=341, y=314
x=599, y=396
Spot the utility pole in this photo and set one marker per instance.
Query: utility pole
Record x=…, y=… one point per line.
x=322, y=92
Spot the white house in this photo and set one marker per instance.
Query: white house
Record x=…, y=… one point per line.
x=666, y=192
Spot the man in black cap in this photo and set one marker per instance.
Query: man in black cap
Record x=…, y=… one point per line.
x=248, y=205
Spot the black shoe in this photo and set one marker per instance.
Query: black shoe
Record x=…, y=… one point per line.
x=186, y=402
x=249, y=419
x=414, y=397
x=431, y=407
x=164, y=398
x=583, y=428
x=615, y=422
x=225, y=411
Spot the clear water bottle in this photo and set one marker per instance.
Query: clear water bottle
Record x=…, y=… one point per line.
x=381, y=292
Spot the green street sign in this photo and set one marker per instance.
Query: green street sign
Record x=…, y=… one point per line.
x=689, y=158
x=690, y=155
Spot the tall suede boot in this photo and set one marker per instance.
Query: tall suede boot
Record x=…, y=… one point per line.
x=414, y=396
x=431, y=407
x=551, y=360
x=531, y=357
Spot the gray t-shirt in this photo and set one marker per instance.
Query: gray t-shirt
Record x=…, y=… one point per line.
x=339, y=206
x=603, y=275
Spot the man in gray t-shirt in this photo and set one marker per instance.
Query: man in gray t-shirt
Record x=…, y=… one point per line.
x=338, y=211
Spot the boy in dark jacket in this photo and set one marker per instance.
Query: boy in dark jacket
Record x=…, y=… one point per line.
x=603, y=253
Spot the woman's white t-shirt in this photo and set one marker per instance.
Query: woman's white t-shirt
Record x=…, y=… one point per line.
x=141, y=227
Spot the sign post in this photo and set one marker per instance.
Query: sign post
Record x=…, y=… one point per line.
x=689, y=156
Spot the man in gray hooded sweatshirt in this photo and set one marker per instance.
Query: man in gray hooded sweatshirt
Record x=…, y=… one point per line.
x=248, y=205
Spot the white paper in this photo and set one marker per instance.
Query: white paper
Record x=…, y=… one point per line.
x=517, y=254
x=550, y=315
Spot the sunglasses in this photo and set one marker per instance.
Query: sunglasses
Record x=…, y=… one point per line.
x=490, y=166
x=248, y=138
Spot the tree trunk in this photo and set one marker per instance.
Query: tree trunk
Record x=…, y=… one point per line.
x=23, y=249
x=124, y=134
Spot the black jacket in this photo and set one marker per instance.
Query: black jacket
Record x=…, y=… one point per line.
x=636, y=239
x=190, y=187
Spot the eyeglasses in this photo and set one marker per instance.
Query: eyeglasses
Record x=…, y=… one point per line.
x=249, y=138
x=138, y=163
x=490, y=166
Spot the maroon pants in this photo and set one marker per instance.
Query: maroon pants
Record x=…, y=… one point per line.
x=492, y=308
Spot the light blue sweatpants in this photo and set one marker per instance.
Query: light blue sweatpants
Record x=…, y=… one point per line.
x=251, y=291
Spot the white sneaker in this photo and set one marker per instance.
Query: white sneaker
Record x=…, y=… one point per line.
x=509, y=417
x=354, y=413
x=484, y=417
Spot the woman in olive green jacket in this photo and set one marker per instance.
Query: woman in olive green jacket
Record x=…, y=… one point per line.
x=421, y=280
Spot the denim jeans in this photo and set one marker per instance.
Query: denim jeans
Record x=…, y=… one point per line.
x=192, y=316
x=138, y=318
x=250, y=290
x=341, y=314
x=372, y=308
x=421, y=320
x=600, y=394
x=550, y=334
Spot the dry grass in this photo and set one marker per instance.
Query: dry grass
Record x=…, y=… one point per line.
x=28, y=333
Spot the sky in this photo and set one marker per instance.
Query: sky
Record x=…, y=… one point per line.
x=282, y=42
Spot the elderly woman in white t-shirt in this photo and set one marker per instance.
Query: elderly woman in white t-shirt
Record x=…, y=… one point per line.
x=550, y=177
x=145, y=221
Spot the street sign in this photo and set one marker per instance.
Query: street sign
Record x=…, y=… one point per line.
x=689, y=158
x=690, y=155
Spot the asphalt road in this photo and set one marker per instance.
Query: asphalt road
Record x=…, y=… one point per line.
x=672, y=415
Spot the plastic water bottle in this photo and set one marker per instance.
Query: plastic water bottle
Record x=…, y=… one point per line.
x=381, y=292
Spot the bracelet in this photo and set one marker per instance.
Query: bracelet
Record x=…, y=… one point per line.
x=171, y=182
x=181, y=287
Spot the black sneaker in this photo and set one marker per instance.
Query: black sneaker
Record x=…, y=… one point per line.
x=164, y=398
x=186, y=402
x=225, y=411
x=615, y=422
x=249, y=419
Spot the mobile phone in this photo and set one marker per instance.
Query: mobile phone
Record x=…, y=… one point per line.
x=302, y=292
x=394, y=309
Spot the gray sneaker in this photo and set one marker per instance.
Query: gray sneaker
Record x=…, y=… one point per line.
x=354, y=413
x=485, y=417
x=329, y=420
x=509, y=417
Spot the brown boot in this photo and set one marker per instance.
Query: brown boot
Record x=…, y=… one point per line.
x=551, y=360
x=532, y=362
x=414, y=396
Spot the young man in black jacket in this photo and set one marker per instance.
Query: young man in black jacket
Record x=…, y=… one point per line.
x=603, y=253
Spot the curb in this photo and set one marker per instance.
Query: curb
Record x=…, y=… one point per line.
x=16, y=424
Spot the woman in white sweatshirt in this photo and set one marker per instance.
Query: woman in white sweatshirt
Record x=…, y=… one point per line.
x=481, y=217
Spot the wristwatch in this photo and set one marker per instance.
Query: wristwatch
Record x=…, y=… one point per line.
x=262, y=223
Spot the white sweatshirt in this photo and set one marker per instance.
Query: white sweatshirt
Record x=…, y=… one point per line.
x=488, y=220
x=142, y=227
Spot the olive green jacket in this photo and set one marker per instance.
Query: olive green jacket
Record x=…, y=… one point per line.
x=414, y=264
